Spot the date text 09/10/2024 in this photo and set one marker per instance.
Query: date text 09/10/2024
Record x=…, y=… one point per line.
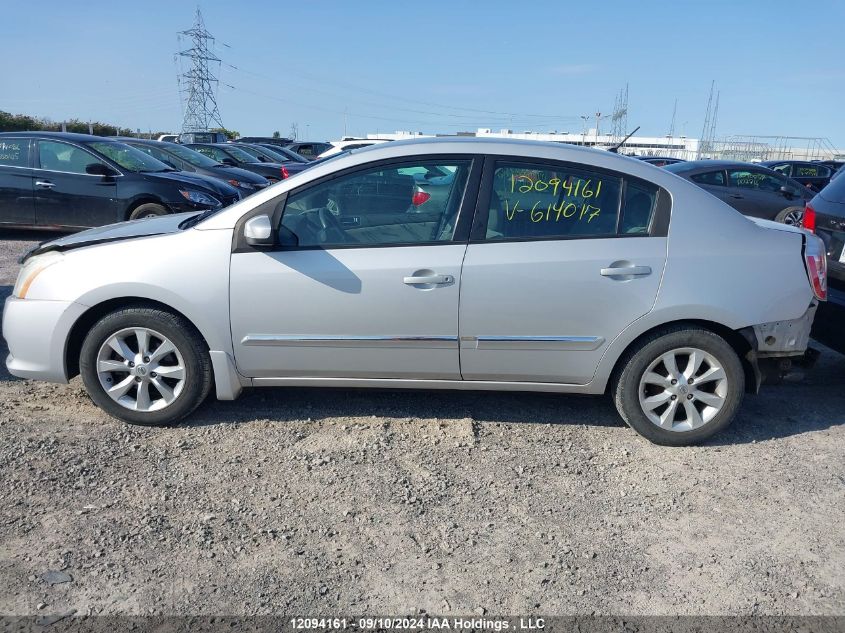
x=421, y=623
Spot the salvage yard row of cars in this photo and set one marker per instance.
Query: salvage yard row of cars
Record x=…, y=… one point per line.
x=428, y=264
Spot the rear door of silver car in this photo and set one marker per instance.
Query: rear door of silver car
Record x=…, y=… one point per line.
x=562, y=259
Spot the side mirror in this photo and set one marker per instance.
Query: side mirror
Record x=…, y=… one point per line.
x=258, y=231
x=229, y=161
x=99, y=169
x=787, y=191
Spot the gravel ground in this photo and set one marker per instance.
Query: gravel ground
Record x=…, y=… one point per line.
x=315, y=502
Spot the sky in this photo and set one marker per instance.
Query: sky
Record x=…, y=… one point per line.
x=365, y=66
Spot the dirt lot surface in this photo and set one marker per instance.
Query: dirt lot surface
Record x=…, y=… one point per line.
x=314, y=502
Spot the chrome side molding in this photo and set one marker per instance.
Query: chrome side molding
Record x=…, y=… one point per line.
x=331, y=340
x=550, y=343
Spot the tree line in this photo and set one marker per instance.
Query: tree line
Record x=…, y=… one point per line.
x=23, y=122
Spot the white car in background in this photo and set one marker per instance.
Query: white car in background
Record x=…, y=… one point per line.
x=536, y=267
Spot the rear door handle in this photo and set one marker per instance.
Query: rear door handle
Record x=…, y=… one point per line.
x=44, y=184
x=736, y=195
x=429, y=279
x=627, y=271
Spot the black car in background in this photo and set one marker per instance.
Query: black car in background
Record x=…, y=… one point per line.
x=750, y=189
x=61, y=181
x=308, y=149
x=660, y=161
x=289, y=167
x=825, y=216
x=812, y=175
x=185, y=159
x=834, y=164
x=284, y=151
x=228, y=154
x=266, y=139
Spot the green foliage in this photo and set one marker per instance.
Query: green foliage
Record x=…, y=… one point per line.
x=230, y=134
x=22, y=122
x=276, y=134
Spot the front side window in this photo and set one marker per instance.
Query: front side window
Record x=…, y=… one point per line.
x=14, y=152
x=531, y=201
x=750, y=179
x=380, y=206
x=55, y=156
x=239, y=155
x=782, y=169
x=716, y=178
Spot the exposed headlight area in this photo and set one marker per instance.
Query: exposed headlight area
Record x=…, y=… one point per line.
x=33, y=267
x=200, y=199
x=241, y=185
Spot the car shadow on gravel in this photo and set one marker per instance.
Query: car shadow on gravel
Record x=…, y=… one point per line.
x=280, y=404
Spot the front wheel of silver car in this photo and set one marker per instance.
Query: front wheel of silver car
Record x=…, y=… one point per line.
x=145, y=366
x=679, y=386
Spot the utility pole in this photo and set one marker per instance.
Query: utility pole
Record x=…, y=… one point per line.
x=672, y=124
x=198, y=83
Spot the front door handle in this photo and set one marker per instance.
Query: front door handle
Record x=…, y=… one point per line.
x=626, y=271
x=736, y=196
x=44, y=184
x=428, y=279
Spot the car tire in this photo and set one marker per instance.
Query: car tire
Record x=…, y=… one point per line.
x=793, y=216
x=664, y=412
x=148, y=210
x=131, y=374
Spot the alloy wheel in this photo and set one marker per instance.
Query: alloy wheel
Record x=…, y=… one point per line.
x=141, y=369
x=794, y=218
x=683, y=389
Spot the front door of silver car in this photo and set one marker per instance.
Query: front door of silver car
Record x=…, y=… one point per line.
x=358, y=287
x=562, y=259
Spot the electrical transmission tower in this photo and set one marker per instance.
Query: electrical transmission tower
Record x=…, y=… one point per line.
x=620, y=116
x=198, y=84
x=706, y=144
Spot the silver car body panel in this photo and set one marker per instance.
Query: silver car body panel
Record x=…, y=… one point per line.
x=344, y=317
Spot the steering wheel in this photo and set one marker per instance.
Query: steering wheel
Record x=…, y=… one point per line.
x=332, y=228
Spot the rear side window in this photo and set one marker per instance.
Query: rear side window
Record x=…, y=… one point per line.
x=14, y=152
x=710, y=178
x=811, y=171
x=749, y=179
x=543, y=202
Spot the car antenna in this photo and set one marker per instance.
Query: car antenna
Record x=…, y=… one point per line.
x=615, y=148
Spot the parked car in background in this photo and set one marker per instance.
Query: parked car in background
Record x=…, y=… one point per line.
x=67, y=181
x=184, y=158
x=660, y=161
x=815, y=176
x=543, y=267
x=284, y=152
x=228, y=154
x=309, y=149
x=752, y=190
x=266, y=139
x=289, y=167
x=825, y=216
x=203, y=137
x=336, y=147
x=835, y=165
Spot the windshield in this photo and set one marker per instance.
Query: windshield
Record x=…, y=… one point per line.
x=129, y=158
x=190, y=156
x=254, y=152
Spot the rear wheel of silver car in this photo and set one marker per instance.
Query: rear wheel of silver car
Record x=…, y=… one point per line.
x=145, y=366
x=680, y=386
x=148, y=210
x=794, y=216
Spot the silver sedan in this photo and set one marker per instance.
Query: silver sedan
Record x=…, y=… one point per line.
x=431, y=264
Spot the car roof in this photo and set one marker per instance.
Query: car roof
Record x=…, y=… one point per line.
x=67, y=136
